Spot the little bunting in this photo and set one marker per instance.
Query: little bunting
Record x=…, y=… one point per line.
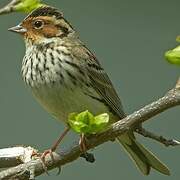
x=65, y=77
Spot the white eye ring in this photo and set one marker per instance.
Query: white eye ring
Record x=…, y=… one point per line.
x=38, y=24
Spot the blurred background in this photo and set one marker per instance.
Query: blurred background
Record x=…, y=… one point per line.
x=129, y=38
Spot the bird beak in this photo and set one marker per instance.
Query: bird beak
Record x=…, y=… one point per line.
x=18, y=29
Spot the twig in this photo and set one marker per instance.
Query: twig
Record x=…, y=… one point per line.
x=161, y=139
x=171, y=99
x=9, y=7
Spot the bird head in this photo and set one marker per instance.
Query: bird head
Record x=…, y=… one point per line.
x=43, y=23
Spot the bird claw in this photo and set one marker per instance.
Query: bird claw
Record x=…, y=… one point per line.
x=59, y=171
x=45, y=153
x=42, y=158
x=44, y=167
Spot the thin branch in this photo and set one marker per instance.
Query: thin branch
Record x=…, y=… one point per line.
x=23, y=171
x=9, y=7
x=160, y=139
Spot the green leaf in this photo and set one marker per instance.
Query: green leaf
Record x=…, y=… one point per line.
x=85, y=117
x=86, y=123
x=81, y=122
x=101, y=122
x=79, y=127
x=178, y=38
x=173, y=56
x=27, y=6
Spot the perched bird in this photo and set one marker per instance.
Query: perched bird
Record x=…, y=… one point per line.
x=65, y=77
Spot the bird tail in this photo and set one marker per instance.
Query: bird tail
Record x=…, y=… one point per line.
x=143, y=158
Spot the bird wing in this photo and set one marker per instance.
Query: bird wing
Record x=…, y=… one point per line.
x=100, y=81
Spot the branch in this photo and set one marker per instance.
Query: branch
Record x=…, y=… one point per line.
x=160, y=139
x=14, y=156
x=25, y=6
x=9, y=7
x=35, y=167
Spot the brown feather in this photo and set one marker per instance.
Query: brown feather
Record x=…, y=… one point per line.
x=99, y=80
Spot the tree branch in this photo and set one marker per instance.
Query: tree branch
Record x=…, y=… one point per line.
x=9, y=7
x=35, y=168
x=160, y=139
x=14, y=156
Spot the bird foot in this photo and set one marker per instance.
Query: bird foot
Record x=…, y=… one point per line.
x=45, y=153
x=43, y=156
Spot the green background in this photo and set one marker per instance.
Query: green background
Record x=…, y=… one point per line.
x=129, y=38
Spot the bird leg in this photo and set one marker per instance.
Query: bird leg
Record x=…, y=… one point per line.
x=82, y=143
x=55, y=145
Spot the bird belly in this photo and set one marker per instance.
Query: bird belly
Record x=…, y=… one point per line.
x=61, y=101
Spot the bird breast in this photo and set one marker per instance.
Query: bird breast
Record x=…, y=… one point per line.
x=58, y=83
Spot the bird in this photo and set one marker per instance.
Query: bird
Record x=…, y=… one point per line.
x=65, y=76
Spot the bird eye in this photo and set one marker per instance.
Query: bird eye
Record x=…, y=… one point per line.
x=38, y=24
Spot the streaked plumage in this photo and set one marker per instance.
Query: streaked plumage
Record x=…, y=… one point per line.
x=66, y=77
